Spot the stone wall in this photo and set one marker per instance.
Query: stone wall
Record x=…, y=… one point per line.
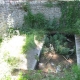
x=12, y=14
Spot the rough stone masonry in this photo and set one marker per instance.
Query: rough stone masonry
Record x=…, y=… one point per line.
x=11, y=13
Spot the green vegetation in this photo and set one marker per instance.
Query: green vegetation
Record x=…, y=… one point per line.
x=74, y=74
x=59, y=43
x=1, y=40
x=6, y=77
x=60, y=47
x=48, y=4
x=70, y=16
x=66, y=24
x=38, y=24
x=35, y=76
x=26, y=7
x=29, y=43
x=34, y=21
x=13, y=61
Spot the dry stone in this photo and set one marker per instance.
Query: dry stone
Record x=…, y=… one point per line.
x=12, y=16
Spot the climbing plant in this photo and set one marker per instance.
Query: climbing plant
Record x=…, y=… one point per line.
x=70, y=14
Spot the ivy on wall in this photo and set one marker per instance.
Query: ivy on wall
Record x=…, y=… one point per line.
x=70, y=15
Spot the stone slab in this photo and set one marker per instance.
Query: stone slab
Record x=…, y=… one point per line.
x=77, y=43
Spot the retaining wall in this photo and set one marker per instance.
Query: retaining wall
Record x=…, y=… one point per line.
x=12, y=14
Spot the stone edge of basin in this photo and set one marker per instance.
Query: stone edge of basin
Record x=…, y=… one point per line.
x=39, y=50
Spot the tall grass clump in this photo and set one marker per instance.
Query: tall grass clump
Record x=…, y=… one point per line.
x=70, y=15
x=1, y=40
x=29, y=43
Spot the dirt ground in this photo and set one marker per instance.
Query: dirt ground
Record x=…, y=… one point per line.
x=51, y=61
x=55, y=63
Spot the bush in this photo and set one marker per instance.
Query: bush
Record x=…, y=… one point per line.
x=26, y=7
x=48, y=4
x=60, y=47
x=47, y=42
x=34, y=21
x=62, y=50
x=52, y=25
x=70, y=15
x=31, y=76
x=74, y=74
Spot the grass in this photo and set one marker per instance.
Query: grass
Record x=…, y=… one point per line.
x=26, y=7
x=70, y=16
x=10, y=55
x=48, y=4
x=29, y=43
x=39, y=22
x=74, y=74
x=1, y=40
x=13, y=61
x=6, y=77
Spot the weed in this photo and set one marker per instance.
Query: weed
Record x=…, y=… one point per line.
x=39, y=37
x=48, y=4
x=6, y=77
x=1, y=40
x=26, y=7
x=35, y=76
x=73, y=75
x=29, y=43
x=68, y=19
x=52, y=25
x=57, y=41
x=36, y=21
x=13, y=61
x=37, y=57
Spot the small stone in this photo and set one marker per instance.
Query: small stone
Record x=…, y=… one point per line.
x=58, y=68
x=52, y=63
x=41, y=65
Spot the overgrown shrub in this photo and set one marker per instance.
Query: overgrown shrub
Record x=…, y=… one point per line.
x=48, y=4
x=62, y=50
x=70, y=15
x=66, y=24
x=38, y=22
x=47, y=42
x=26, y=7
x=57, y=41
x=34, y=21
x=52, y=25
x=35, y=76
x=74, y=74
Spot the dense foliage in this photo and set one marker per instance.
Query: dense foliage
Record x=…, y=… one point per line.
x=68, y=23
x=70, y=16
x=59, y=41
x=74, y=74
